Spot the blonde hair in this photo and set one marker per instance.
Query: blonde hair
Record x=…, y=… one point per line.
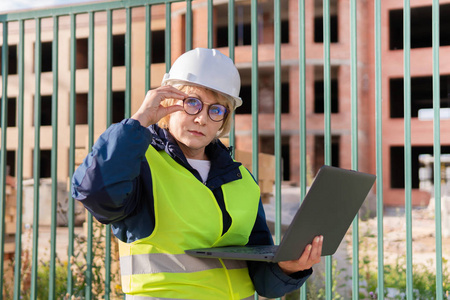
x=221, y=99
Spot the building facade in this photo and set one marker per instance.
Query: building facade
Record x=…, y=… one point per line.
x=340, y=60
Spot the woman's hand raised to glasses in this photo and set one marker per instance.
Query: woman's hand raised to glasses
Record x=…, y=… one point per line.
x=151, y=110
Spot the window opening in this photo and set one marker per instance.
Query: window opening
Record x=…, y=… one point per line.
x=46, y=56
x=12, y=59
x=421, y=27
x=45, y=163
x=318, y=21
x=158, y=46
x=267, y=145
x=265, y=93
x=242, y=29
x=46, y=111
x=12, y=108
x=319, y=151
x=397, y=165
x=118, y=51
x=319, y=92
x=421, y=94
x=118, y=106
x=81, y=114
x=82, y=54
x=11, y=163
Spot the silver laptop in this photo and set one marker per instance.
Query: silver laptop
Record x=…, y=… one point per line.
x=328, y=209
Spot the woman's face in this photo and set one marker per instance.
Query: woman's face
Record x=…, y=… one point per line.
x=194, y=132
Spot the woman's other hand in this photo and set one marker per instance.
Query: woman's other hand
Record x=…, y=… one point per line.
x=151, y=110
x=311, y=256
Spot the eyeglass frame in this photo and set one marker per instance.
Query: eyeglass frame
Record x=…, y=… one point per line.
x=203, y=105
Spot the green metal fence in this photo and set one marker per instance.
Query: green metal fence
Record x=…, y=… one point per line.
x=19, y=18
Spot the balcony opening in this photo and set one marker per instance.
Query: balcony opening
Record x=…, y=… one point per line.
x=421, y=95
x=318, y=21
x=319, y=91
x=12, y=59
x=421, y=27
x=397, y=167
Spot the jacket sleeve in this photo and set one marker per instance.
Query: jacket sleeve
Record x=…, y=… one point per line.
x=269, y=280
x=107, y=182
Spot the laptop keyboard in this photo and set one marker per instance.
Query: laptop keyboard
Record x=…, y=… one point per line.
x=252, y=249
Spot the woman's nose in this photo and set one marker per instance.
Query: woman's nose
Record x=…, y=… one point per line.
x=202, y=117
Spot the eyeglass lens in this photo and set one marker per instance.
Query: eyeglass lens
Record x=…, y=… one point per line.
x=193, y=106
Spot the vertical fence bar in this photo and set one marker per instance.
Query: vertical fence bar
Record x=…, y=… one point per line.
x=72, y=118
x=109, y=55
x=407, y=120
x=231, y=28
x=54, y=161
x=168, y=36
x=437, y=150
x=231, y=46
x=379, y=147
x=302, y=109
x=89, y=241
x=128, y=63
x=36, y=157
x=189, y=31
x=354, y=133
x=109, y=104
x=4, y=124
x=18, y=238
x=327, y=125
x=277, y=112
x=255, y=88
x=255, y=92
x=210, y=23
x=148, y=47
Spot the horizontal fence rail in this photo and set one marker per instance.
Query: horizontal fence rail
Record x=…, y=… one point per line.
x=295, y=57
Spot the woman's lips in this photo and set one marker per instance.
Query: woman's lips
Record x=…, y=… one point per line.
x=196, y=133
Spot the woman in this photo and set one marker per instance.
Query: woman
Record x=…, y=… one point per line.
x=165, y=183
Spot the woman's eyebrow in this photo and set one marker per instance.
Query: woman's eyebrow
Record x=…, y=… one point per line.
x=194, y=95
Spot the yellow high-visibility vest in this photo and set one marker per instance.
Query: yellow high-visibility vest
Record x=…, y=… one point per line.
x=187, y=216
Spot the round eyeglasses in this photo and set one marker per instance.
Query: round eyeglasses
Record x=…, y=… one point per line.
x=193, y=106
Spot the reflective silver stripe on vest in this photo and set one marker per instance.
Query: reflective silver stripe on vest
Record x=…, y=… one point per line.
x=172, y=263
x=131, y=297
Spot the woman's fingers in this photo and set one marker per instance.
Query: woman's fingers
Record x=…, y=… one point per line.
x=310, y=256
x=151, y=110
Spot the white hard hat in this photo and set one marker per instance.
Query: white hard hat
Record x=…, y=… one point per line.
x=208, y=68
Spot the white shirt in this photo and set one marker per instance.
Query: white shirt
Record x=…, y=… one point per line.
x=202, y=166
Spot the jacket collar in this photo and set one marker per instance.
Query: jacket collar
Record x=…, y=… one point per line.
x=223, y=168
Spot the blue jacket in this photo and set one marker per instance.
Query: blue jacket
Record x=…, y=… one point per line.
x=114, y=184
